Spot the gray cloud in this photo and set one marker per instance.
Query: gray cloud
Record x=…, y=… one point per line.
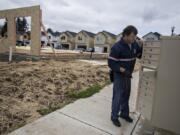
x=114, y=15
x=152, y=13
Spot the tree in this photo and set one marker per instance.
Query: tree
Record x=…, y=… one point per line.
x=49, y=30
x=24, y=24
x=21, y=25
x=18, y=22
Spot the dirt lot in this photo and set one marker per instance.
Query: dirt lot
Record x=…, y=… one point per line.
x=29, y=87
x=29, y=90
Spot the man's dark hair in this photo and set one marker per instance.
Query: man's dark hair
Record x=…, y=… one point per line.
x=129, y=29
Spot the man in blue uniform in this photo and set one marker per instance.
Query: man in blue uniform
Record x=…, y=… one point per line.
x=121, y=61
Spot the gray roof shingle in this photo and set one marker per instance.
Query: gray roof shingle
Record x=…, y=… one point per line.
x=110, y=34
x=89, y=33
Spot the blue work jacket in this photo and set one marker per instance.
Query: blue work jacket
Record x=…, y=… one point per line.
x=121, y=55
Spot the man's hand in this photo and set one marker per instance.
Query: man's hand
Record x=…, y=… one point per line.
x=122, y=69
x=140, y=42
x=125, y=72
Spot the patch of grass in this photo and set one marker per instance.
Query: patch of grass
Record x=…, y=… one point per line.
x=52, y=108
x=46, y=111
x=88, y=92
x=85, y=93
x=108, y=82
x=74, y=96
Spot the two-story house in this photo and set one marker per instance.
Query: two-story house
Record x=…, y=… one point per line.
x=44, y=39
x=84, y=39
x=152, y=36
x=104, y=41
x=67, y=40
x=51, y=38
x=55, y=37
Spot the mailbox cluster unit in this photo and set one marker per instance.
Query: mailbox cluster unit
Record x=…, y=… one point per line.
x=159, y=84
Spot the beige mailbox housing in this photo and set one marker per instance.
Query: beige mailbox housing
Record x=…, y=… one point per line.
x=159, y=85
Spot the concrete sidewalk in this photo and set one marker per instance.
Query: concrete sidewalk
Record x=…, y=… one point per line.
x=90, y=116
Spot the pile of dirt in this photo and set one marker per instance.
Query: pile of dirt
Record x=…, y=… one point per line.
x=27, y=87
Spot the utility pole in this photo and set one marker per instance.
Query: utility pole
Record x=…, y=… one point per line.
x=172, y=30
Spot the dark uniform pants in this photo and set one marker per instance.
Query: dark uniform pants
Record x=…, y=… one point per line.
x=121, y=94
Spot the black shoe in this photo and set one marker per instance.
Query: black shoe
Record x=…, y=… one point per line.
x=127, y=118
x=116, y=122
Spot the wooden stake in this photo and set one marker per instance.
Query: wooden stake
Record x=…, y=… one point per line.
x=10, y=53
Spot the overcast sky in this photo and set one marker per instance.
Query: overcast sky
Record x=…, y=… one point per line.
x=110, y=15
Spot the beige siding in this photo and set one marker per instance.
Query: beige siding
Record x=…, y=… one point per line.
x=70, y=40
x=105, y=41
x=118, y=37
x=63, y=40
x=101, y=37
x=85, y=40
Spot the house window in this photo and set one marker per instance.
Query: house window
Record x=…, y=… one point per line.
x=150, y=38
x=99, y=38
x=49, y=37
x=63, y=38
x=79, y=38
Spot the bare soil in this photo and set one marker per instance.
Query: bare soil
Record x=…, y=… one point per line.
x=29, y=87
